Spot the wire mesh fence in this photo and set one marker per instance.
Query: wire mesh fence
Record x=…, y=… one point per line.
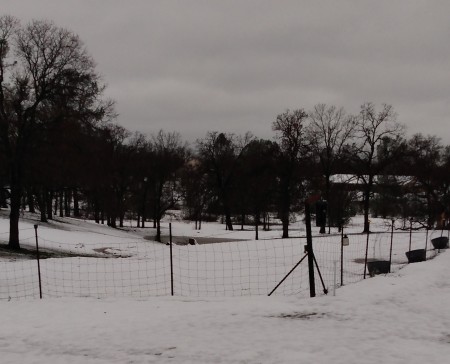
x=236, y=268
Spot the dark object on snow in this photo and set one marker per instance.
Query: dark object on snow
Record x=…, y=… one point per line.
x=415, y=256
x=321, y=213
x=440, y=243
x=378, y=267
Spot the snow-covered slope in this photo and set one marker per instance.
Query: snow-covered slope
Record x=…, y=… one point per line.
x=398, y=318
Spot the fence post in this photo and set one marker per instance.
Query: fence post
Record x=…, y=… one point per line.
x=390, y=248
x=334, y=277
x=448, y=229
x=342, y=255
x=171, y=258
x=38, y=262
x=367, y=251
x=410, y=232
x=309, y=247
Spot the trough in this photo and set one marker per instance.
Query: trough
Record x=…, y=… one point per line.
x=440, y=243
x=415, y=256
x=378, y=267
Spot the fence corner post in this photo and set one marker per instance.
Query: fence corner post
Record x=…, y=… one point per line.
x=38, y=260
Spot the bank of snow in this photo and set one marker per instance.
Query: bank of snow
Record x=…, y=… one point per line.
x=398, y=318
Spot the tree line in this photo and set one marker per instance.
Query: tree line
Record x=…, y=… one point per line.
x=63, y=154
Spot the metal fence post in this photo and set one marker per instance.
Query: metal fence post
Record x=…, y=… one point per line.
x=171, y=259
x=367, y=251
x=410, y=232
x=38, y=262
x=342, y=255
x=448, y=229
x=390, y=248
x=309, y=246
x=334, y=277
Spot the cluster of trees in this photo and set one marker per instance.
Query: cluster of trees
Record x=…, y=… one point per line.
x=61, y=154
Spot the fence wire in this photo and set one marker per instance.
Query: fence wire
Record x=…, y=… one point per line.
x=240, y=268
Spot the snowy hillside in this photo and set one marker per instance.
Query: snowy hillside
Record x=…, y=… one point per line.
x=399, y=318
x=402, y=317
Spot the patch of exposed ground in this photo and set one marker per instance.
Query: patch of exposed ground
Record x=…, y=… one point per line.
x=184, y=240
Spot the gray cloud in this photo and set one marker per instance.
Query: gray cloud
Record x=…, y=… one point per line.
x=194, y=66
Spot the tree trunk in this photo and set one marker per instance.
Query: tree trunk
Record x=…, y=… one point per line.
x=158, y=230
x=285, y=207
x=121, y=218
x=228, y=218
x=366, y=207
x=67, y=202
x=42, y=199
x=96, y=211
x=112, y=221
x=3, y=202
x=430, y=212
x=30, y=200
x=61, y=203
x=49, y=200
x=14, y=217
x=256, y=226
x=24, y=202
x=285, y=224
x=327, y=198
x=76, y=203
x=55, y=205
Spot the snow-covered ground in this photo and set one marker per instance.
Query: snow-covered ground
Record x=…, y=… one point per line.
x=141, y=267
x=399, y=318
x=402, y=317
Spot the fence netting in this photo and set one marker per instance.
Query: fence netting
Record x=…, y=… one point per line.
x=237, y=268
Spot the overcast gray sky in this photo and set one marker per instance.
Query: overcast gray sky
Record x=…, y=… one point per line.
x=233, y=65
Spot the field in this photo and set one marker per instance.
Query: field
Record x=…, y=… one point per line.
x=220, y=312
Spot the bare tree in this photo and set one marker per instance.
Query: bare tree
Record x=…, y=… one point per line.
x=197, y=190
x=330, y=129
x=220, y=153
x=169, y=156
x=40, y=64
x=374, y=130
x=291, y=135
x=425, y=154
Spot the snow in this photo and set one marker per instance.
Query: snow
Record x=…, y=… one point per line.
x=398, y=318
x=402, y=317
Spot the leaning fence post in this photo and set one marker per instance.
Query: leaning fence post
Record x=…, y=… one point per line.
x=390, y=248
x=38, y=262
x=367, y=249
x=171, y=259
